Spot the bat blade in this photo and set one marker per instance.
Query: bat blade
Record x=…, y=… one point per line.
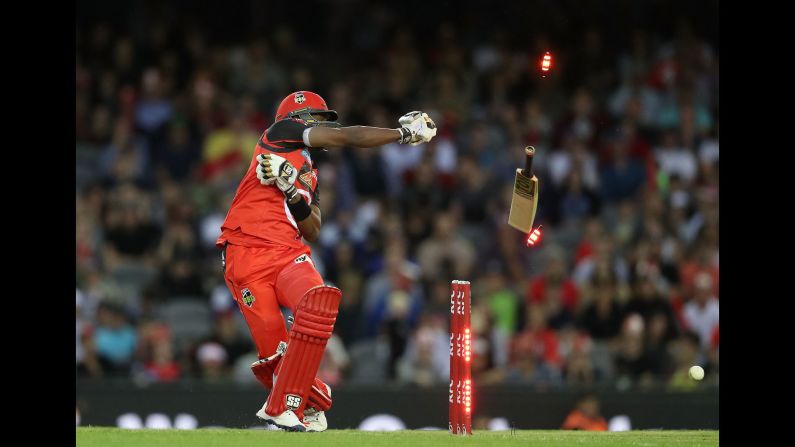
x=525, y=196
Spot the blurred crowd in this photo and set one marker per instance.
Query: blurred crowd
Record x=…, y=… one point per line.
x=623, y=289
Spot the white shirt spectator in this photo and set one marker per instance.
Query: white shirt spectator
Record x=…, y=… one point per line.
x=561, y=163
x=677, y=160
x=210, y=229
x=446, y=156
x=709, y=151
x=427, y=357
x=397, y=159
x=702, y=319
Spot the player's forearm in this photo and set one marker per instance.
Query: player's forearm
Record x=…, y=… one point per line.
x=310, y=227
x=364, y=136
x=416, y=127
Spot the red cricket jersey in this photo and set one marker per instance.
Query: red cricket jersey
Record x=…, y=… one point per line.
x=259, y=216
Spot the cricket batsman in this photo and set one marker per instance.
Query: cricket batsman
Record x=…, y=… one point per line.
x=267, y=264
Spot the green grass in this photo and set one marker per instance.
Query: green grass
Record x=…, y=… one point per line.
x=101, y=436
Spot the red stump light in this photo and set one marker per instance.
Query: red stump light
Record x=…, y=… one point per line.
x=468, y=400
x=460, y=394
x=546, y=64
x=467, y=345
x=534, y=237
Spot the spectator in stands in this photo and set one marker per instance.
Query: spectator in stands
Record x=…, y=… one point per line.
x=674, y=159
x=604, y=260
x=702, y=311
x=713, y=356
x=211, y=360
x=490, y=346
x=701, y=259
x=574, y=157
x=535, y=352
x=577, y=201
x=576, y=347
x=471, y=195
x=623, y=177
x=658, y=359
x=649, y=303
x=625, y=225
x=126, y=158
x=603, y=317
x=584, y=120
x=502, y=301
x=585, y=416
x=157, y=353
x=181, y=154
x=393, y=296
x=154, y=108
x=335, y=362
x=85, y=349
x=557, y=314
x=349, y=324
x=396, y=320
x=555, y=275
x=446, y=245
x=632, y=366
x=131, y=234
x=180, y=279
x=427, y=358
x=227, y=333
x=114, y=339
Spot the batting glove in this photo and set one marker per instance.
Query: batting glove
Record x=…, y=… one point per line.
x=416, y=128
x=275, y=170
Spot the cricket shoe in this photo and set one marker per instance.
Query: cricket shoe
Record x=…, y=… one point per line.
x=315, y=420
x=286, y=421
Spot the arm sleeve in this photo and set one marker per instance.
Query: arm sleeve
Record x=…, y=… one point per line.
x=288, y=133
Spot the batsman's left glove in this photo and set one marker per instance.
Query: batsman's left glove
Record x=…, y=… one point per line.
x=275, y=170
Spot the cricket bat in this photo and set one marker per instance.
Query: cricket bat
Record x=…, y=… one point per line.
x=525, y=195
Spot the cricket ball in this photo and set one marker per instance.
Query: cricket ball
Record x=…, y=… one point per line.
x=696, y=372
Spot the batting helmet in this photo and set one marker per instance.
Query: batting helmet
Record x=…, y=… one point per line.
x=302, y=105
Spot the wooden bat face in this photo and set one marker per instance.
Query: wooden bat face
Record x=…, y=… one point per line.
x=524, y=202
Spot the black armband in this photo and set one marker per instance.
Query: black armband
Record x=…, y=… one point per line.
x=299, y=209
x=287, y=133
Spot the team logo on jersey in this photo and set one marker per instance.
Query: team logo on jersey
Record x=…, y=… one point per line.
x=248, y=298
x=299, y=98
x=306, y=178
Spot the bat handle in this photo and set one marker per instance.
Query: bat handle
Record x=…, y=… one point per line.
x=530, y=152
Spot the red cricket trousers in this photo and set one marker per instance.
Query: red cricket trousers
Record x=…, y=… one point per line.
x=262, y=279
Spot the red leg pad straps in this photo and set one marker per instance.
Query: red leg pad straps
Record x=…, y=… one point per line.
x=315, y=316
x=263, y=369
x=320, y=396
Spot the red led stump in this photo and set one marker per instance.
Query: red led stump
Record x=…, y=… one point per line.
x=460, y=392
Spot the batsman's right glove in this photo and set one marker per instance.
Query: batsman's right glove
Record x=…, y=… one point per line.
x=416, y=128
